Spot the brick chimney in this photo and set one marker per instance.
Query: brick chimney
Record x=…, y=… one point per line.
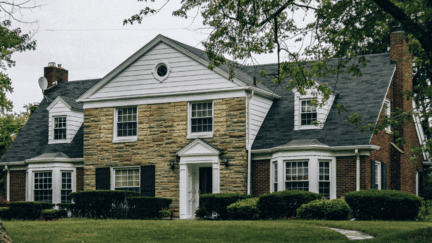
x=55, y=74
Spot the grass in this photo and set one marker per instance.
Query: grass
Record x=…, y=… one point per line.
x=87, y=230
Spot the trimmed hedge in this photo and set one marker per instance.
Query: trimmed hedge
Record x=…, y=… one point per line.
x=49, y=214
x=244, y=209
x=336, y=209
x=28, y=210
x=69, y=207
x=5, y=213
x=284, y=203
x=219, y=202
x=147, y=207
x=102, y=203
x=384, y=204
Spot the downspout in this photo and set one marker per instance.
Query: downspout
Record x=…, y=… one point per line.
x=358, y=170
x=8, y=184
x=249, y=144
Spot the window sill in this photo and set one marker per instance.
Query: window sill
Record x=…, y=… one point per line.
x=59, y=141
x=308, y=127
x=200, y=135
x=125, y=140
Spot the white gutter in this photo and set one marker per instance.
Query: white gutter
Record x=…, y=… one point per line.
x=8, y=184
x=249, y=88
x=65, y=160
x=315, y=147
x=249, y=145
x=358, y=170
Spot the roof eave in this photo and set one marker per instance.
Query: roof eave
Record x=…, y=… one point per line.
x=314, y=147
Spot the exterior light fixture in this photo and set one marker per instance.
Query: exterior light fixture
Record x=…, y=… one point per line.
x=172, y=164
x=225, y=160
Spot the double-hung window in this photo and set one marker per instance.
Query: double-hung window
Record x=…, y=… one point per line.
x=43, y=187
x=66, y=187
x=60, y=128
x=378, y=175
x=126, y=127
x=324, y=179
x=127, y=179
x=200, y=119
x=308, y=113
x=296, y=175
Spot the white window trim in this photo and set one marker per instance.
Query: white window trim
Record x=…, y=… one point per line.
x=284, y=172
x=387, y=112
x=330, y=174
x=300, y=114
x=313, y=170
x=155, y=67
x=378, y=173
x=272, y=175
x=56, y=182
x=417, y=183
x=53, y=141
x=191, y=135
x=113, y=169
x=61, y=182
x=123, y=139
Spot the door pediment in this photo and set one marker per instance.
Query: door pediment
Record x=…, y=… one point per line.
x=198, y=147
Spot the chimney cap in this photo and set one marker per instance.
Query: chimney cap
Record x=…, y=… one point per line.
x=51, y=64
x=59, y=65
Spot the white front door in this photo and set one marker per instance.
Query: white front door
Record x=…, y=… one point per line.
x=192, y=191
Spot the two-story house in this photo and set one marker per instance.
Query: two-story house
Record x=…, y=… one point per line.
x=164, y=125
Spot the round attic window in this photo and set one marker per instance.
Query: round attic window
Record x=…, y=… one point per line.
x=161, y=70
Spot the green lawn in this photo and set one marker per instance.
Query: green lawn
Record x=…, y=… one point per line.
x=85, y=230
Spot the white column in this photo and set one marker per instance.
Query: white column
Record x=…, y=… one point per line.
x=313, y=169
x=8, y=185
x=216, y=177
x=56, y=178
x=183, y=191
x=357, y=170
x=333, y=177
x=281, y=175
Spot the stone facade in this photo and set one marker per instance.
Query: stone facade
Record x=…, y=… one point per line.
x=162, y=130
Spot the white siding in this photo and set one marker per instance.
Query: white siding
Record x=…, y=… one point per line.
x=186, y=75
x=74, y=120
x=259, y=108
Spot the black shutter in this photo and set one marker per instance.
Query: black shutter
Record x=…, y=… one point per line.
x=373, y=185
x=148, y=181
x=103, y=178
x=383, y=176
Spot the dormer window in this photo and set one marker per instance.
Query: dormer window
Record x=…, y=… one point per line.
x=308, y=113
x=60, y=128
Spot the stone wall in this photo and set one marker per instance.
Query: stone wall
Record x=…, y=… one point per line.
x=162, y=130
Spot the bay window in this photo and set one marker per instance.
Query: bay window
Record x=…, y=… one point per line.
x=43, y=187
x=297, y=177
x=324, y=179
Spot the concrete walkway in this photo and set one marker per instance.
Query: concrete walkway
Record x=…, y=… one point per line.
x=352, y=234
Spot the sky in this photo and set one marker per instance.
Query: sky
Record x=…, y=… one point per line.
x=88, y=38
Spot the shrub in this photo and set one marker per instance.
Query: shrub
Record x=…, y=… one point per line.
x=244, y=209
x=336, y=209
x=49, y=214
x=284, y=203
x=4, y=213
x=166, y=212
x=147, y=207
x=384, y=204
x=105, y=203
x=69, y=207
x=28, y=210
x=219, y=202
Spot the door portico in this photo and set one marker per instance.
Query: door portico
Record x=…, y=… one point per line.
x=192, y=157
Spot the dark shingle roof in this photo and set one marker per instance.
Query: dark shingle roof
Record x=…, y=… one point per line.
x=32, y=141
x=238, y=73
x=74, y=105
x=363, y=94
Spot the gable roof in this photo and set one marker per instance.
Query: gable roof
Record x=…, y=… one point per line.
x=364, y=95
x=68, y=102
x=241, y=78
x=32, y=141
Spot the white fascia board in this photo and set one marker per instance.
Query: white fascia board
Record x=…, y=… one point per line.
x=57, y=100
x=314, y=147
x=384, y=100
x=85, y=97
x=12, y=163
x=420, y=131
x=183, y=151
x=61, y=160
